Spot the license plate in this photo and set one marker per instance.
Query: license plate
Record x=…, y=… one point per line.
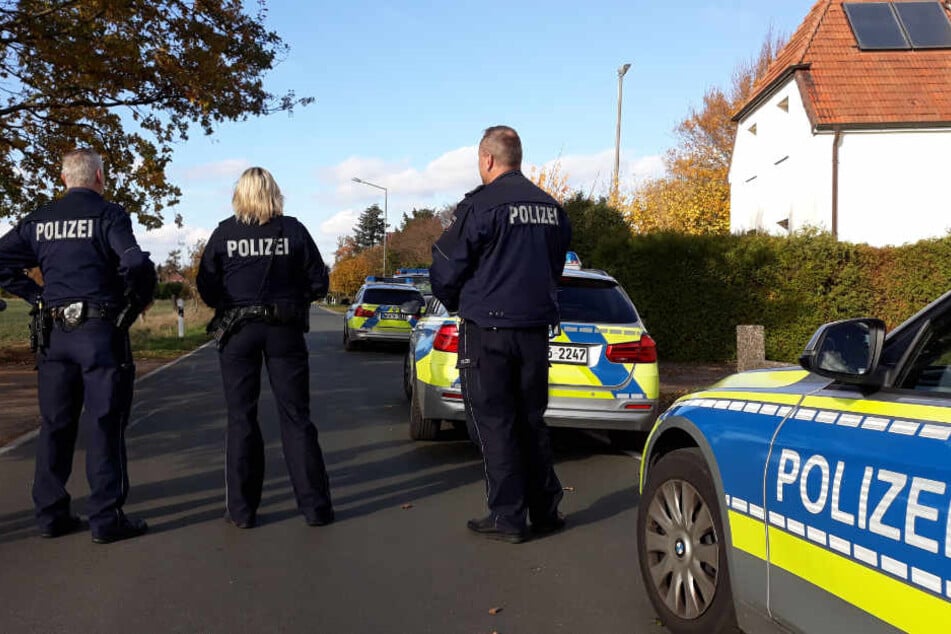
x=577, y=355
x=392, y=316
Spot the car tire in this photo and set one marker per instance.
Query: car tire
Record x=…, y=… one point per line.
x=408, y=377
x=421, y=428
x=348, y=344
x=682, y=550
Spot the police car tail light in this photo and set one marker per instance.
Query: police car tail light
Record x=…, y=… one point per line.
x=447, y=338
x=363, y=312
x=643, y=351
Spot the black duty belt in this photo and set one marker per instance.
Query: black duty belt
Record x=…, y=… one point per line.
x=75, y=313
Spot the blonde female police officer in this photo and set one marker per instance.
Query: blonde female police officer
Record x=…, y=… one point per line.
x=260, y=271
x=93, y=271
x=498, y=265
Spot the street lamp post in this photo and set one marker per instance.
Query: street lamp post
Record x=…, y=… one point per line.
x=621, y=71
x=385, y=195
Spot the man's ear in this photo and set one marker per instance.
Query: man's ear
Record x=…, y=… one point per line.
x=63, y=178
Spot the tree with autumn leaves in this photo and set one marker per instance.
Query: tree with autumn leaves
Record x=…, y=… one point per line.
x=128, y=78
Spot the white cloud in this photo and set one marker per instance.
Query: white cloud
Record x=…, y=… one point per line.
x=159, y=242
x=444, y=180
x=448, y=176
x=592, y=173
x=341, y=222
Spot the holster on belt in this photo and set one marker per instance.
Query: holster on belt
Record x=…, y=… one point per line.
x=228, y=321
x=41, y=325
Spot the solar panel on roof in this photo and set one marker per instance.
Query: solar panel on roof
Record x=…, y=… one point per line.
x=926, y=24
x=875, y=26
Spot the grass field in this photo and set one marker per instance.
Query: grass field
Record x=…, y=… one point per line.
x=154, y=335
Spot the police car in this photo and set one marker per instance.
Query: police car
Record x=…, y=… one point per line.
x=814, y=498
x=603, y=371
x=418, y=277
x=384, y=309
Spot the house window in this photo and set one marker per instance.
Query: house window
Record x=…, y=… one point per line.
x=784, y=105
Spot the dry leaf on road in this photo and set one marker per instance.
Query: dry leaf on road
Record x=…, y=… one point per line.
x=494, y=611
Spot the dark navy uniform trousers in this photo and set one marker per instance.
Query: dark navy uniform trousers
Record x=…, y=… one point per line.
x=504, y=375
x=88, y=370
x=282, y=349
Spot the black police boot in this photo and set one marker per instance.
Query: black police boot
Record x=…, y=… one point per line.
x=125, y=528
x=321, y=517
x=61, y=526
x=549, y=525
x=487, y=528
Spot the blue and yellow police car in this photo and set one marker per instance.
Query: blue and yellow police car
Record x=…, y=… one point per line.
x=813, y=498
x=384, y=309
x=603, y=362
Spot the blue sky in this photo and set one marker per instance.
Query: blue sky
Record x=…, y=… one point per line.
x=404, y=89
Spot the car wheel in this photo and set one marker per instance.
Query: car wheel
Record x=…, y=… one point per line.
x=421, y=428
x=348, y=344
x=681, y=547
x=408, y=374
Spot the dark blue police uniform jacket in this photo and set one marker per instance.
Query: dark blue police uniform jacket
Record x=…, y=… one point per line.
x=499, y=261
x=274, y=263
x=87, y=252
x=85, y=249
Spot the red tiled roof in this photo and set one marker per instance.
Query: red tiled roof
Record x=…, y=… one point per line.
x=843, y=85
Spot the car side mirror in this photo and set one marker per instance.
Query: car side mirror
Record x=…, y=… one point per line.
x=847, y=351
x=411, y=307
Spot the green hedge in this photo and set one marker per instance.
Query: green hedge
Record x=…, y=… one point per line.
x=692, y=291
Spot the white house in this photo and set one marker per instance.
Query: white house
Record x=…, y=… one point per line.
x=850, y=129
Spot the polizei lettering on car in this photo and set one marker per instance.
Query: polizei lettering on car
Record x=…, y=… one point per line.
x=251, y=247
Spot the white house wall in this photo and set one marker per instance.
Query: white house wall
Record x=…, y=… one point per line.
x=894, y=186
x=783, y=171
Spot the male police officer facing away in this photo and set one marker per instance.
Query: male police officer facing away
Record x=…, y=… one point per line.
x=498, y=265
x=92, y=269
x=260, y=271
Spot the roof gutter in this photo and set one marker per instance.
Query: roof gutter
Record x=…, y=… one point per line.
x=768, y=91
x=879, y=126
x=836, y=142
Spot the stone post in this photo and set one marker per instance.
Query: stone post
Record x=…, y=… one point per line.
x=750, y=348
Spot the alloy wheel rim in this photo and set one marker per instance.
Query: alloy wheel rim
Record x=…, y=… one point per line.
x=682, y=549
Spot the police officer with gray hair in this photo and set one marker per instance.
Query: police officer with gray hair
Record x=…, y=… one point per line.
x=498, y=265
x=96, y=280
x=260, y=271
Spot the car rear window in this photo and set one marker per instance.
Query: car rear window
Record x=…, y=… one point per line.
x=390, y=296
x=599, y=301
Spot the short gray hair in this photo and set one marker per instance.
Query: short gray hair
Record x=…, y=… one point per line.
x=80, y=167
x=257, y=198
x=502, y=143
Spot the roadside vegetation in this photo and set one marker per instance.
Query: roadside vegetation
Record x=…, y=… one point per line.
x=154, y=335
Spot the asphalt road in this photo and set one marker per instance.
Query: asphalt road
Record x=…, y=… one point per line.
x=398, y=559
